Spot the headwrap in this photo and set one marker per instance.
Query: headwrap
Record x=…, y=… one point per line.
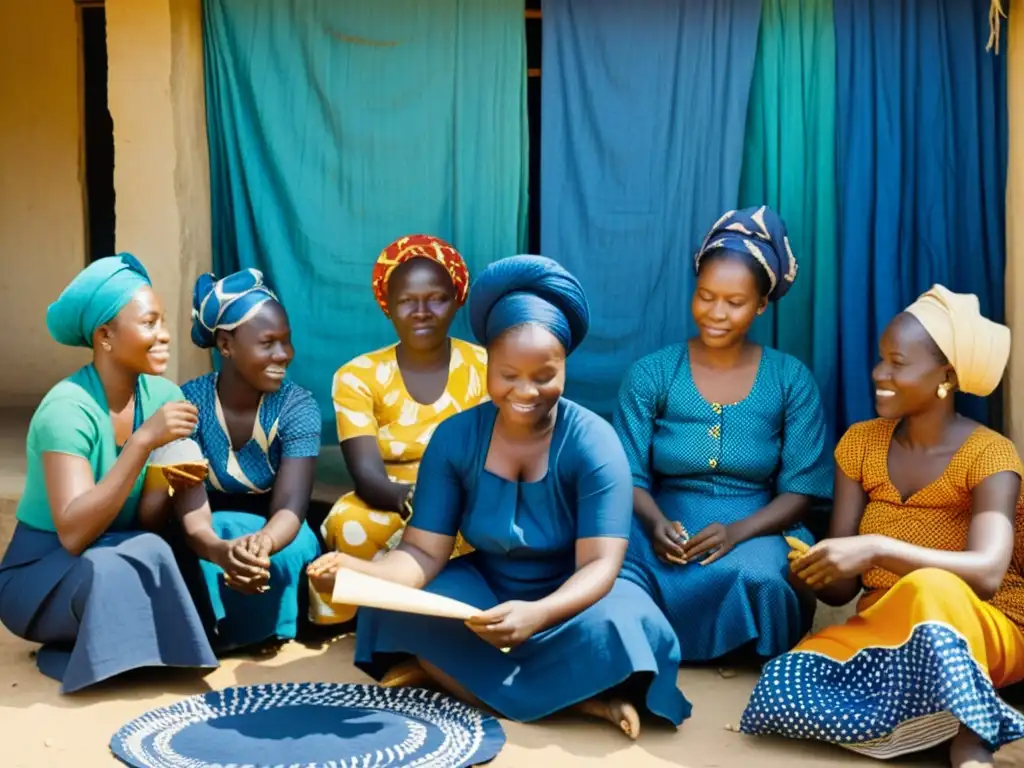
x=94, y=298
x=226, y=303
x=977, y=348
x=529, y=289
x=760, y=233
x=419, y=247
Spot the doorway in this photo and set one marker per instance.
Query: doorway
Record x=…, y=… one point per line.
x=98, y=132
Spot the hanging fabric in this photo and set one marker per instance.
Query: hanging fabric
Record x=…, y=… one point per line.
x=921, y=112
x=336, y=127
x=789, y=164
x=642, y=122
x=1014, y=53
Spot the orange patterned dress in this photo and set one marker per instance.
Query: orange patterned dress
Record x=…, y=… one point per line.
x=924, y=654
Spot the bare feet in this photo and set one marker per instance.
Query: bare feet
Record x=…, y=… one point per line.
x=616, y=711
x=967, y=751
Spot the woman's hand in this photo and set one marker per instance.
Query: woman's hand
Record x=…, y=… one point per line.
x=834, y=559
x=509, y=625
x=246, y=562
x=172, y=422
x=716, y=539
x=323, y=571
x=668, y=537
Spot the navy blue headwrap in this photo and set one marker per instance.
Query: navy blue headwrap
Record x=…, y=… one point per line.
x=757, y=232
x=529, y=289
x=226, y=303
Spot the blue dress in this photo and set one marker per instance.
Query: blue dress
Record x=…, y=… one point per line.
x=705, y=463
x=239, y=487
x=525, y=535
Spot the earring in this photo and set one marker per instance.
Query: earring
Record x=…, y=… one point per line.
x=944, y=389
x=106, y=346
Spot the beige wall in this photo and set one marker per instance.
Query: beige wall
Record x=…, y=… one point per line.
x=161, y=165
x=161, y=172
x=42, y=219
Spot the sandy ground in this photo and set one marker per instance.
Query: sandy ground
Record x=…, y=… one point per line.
x=39, y=728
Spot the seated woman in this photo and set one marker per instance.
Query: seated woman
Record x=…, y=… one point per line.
x=928, y=519
x=540, y=487
x=261, y=435
x=726, y=441
x=82, y=574
x=389, y=402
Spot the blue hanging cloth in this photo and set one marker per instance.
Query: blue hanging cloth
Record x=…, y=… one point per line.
x=643, y=111
x=921, y=158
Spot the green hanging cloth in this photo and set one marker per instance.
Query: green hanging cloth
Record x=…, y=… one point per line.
x=789, y=164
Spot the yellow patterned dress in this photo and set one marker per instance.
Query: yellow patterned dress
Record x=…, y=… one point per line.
x=370, y=398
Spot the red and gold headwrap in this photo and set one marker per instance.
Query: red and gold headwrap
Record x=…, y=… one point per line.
x=419, y=247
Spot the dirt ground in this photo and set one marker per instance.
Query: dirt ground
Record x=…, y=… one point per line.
x=39, y=728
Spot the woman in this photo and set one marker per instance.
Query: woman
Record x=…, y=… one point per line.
x=82, y=575
x=540, y=487
x=389, y=402
x=925, y=508
x=726, y=441
x=261, y=435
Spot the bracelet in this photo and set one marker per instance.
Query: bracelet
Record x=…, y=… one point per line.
x=407, y=502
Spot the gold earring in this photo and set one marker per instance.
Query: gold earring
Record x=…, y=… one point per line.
x=106, y=347
x=944, y=389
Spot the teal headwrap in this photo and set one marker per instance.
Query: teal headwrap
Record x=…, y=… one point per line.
x=94, y=298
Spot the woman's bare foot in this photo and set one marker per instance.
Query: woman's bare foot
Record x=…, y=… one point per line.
x=408, y=674
x=618, y=712
x=968, y=751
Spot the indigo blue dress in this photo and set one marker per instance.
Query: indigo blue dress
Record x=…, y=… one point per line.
x=706, y=462
x=240, y=486
x=524, y=535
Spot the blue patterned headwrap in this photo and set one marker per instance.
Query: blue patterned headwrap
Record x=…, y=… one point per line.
x=529, y=289
x=225, y=304
x=94, y=298
x=760, y=233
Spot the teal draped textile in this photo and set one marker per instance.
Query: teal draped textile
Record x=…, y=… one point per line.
x=789, y=164
x=336, y=127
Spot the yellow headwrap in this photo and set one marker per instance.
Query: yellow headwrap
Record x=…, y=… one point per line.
x=976, y=347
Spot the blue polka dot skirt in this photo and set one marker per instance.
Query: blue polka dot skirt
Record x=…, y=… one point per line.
x=854, y=686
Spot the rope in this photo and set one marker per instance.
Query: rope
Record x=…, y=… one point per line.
x=995, y=16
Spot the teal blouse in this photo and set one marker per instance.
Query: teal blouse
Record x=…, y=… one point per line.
x=74, y=418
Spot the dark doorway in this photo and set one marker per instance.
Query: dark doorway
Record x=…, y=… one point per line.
x=98, y=128
x=534, y=25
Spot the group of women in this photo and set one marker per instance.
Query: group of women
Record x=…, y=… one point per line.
x=600, y=555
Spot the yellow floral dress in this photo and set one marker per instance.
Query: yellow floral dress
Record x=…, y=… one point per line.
x=370, y=399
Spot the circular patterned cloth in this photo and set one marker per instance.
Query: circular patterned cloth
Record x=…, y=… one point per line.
x=313, y=725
